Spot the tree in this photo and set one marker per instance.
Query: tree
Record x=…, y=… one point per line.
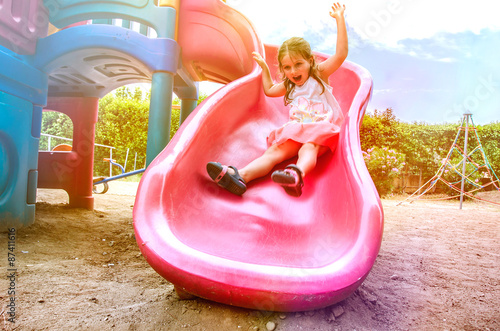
x=57, y=124
x=490, y=140
x=423, y=145
x=123, y=123
x=380, y=129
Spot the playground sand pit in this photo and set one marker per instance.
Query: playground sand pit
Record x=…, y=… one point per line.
x=438, y=268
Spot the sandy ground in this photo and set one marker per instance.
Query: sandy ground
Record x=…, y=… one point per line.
x=438, y=269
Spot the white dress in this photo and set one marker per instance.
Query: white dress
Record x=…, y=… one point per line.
x=315, y=116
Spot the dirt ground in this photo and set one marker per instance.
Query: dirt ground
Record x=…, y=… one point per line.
x=438, y=269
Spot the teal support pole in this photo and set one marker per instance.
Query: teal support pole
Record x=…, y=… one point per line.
x=160, y=113
x=189, y=98
x=126, y=24
x=162, y=88
x=143, y=29
x=187, y=106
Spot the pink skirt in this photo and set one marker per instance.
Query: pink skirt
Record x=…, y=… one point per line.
x=321, y=133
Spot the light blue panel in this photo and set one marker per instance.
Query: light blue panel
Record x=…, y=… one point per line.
x=19, y=78
x=18, y=161
x=66, y=12
x=158, y=54
x=93, y=60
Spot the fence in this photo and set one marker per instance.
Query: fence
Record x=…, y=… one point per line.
x=409, y=182
x=53, y=141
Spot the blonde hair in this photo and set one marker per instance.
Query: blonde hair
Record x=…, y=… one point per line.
x=297, y=46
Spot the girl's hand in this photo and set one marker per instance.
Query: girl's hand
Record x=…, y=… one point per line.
x=270, y=89
x=330, y=65
x=259, y=59
x=337, y=11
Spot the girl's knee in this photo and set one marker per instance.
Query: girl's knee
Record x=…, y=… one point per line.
x=310, y=148
x=283, y=151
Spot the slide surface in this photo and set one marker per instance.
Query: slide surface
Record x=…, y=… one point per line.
x=264, y=250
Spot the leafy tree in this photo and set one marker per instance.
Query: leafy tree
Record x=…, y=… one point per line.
x=490, y=140
x=384, y=166
x=379, y=129
x=57, y=124
x=424, y=145
x=123, y=123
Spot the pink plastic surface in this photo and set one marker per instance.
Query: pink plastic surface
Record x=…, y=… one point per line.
x=22, y=22
x=216, y=40
x=265, y=250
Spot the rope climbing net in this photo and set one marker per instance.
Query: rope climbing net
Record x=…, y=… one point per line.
x=464, y=171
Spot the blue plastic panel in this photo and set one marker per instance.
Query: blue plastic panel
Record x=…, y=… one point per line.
x=18, y=161
x=19, y=78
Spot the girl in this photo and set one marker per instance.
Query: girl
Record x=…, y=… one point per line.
x=315, y=116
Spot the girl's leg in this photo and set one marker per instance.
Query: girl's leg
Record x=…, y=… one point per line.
x=291, y=178
x=308, y=156
x=275, y=154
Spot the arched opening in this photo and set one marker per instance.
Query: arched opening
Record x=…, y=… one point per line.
x=57, y=131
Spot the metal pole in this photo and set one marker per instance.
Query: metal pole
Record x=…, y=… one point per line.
x=110, y=165
x=126, y=159
x=465, y=157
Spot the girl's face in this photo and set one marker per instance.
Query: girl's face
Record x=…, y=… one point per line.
x=296, y=68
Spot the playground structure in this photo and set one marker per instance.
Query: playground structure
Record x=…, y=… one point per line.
x=267, y=251
x=462, y=163
x=68, y=72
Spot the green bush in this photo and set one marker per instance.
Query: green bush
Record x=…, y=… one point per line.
x=384, y=165
x=123, y=124
x=426, y=145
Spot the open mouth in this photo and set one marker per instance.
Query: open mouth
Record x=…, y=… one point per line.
x=297, y=79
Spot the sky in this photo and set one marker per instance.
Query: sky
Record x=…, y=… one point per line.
x=431, y=60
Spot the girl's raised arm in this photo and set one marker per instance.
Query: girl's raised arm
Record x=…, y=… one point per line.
x=270, y=89
x=330, y=65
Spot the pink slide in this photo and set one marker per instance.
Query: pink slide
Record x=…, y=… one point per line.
x=264, y=250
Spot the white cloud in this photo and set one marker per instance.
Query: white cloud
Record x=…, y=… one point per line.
x=284, y=18
x=426, y=56
x=382, y=21
x=447, y=60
